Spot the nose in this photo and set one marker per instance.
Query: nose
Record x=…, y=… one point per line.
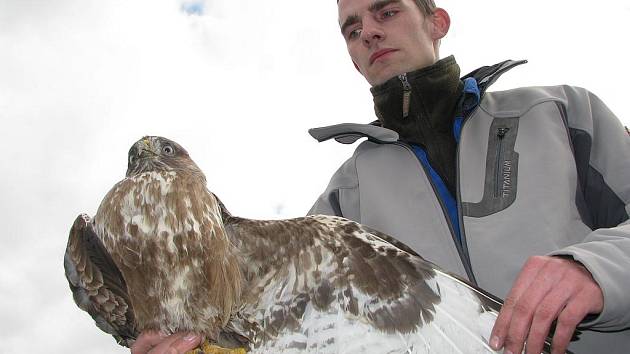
x=372, y=32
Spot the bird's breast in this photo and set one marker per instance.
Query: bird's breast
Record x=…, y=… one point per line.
x=155, y=225
x=154, y=205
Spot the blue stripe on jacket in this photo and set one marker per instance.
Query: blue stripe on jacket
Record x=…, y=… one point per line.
x=470, y=101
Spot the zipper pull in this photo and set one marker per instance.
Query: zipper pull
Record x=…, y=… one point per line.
x=501, y=132
x=406, y=94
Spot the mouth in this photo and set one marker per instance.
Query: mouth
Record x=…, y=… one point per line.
x=381, y=53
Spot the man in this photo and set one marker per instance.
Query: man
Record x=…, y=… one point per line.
x=539, y=172
x=524, y=192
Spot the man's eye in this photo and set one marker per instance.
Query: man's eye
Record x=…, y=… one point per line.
x=388, y=13
x=354, y=33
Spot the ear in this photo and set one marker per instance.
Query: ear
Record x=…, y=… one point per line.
x=357, y=67
x=441, y=23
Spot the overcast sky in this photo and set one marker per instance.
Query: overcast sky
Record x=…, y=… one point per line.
x=236, y=82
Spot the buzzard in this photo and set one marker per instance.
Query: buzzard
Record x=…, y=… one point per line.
x=163, y=253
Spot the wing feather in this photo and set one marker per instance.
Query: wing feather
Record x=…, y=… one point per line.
x=333, y=285
x=97, y=285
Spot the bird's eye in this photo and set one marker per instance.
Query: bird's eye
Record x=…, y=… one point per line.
x=167, y=149
x=132, y=158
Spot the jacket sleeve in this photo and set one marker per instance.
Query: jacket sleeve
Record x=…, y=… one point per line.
x=602, y=151
x=341, y=197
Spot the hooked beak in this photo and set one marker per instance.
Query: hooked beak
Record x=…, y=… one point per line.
x=146, y=149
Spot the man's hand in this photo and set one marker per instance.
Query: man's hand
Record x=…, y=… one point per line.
x=546, y=289
x=151, y=342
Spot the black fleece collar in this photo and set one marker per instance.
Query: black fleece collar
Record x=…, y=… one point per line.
x=421, y=106
x=348, y=133
x=433, y=93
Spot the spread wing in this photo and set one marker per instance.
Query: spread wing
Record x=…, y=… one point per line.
x=97, y=285
x=487, y=300
x=330, y=285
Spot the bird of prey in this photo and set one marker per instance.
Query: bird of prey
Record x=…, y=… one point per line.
x=163, y=253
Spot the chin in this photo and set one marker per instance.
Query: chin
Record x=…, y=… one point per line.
x=382, y=78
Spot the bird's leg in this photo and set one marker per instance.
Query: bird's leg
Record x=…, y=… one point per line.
x=210, y=348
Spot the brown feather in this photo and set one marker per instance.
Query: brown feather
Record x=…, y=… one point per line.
x=187, y=264
x=162, y=229
x=97, y=285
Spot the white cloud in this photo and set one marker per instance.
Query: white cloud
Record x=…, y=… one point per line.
x=238, y=87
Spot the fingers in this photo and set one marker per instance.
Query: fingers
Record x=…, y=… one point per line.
x=523, y=281
x=547, y=288
x=544, y=315
x=568, y=320
x=147, y=340
x=537, y=308
x=153, y=342
x=183, y=343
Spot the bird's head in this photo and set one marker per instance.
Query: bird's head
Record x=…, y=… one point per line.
x=158, y=154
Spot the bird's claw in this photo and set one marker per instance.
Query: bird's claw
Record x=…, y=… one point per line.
x=208, y=348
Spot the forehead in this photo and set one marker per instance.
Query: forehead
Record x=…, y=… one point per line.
x=355, y=6
x=345, y=7
x=348, y=8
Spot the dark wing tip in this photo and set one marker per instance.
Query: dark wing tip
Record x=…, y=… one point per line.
x=97, y=285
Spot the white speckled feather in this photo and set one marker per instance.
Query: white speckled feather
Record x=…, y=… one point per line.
x=163, y=253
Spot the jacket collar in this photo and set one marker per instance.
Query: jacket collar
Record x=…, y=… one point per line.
x=348, y=133
x=418, y=102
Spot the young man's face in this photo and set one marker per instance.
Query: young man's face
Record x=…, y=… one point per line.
x=386, y=38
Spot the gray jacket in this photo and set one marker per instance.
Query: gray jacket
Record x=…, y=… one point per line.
x=555, y=182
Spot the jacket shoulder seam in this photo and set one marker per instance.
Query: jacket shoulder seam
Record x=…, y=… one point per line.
x=521, y=112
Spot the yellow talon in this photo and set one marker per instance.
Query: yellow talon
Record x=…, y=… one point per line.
x=207, y=348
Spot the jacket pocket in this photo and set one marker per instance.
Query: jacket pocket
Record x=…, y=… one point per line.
x=501, y=170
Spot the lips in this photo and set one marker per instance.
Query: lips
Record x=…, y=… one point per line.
x=380, y=53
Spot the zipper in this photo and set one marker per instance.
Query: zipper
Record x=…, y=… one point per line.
x=463, y=255
x=463, y=247
x=497, y=175
x=406, y=94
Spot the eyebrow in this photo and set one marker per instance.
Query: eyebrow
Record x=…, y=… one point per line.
x=374, y=7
